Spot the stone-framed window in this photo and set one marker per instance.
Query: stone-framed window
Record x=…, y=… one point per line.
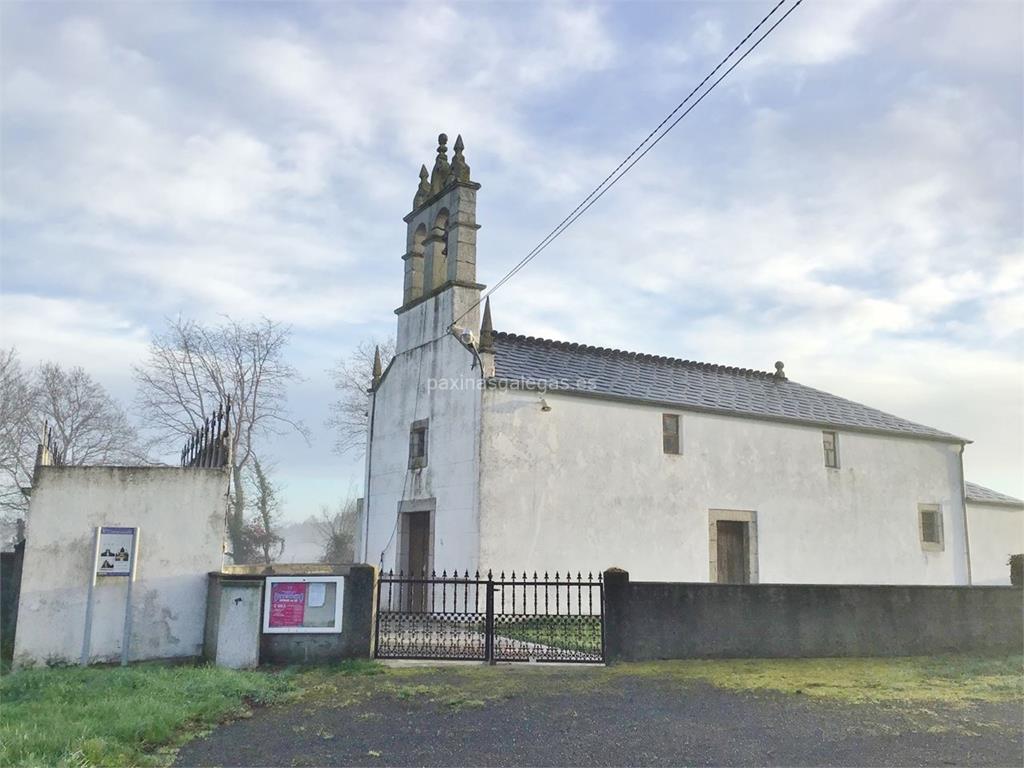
x=418, y=441
x=929, y=524
x=670, y=434
x=830, y=442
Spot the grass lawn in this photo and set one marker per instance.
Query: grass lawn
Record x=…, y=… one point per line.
x=575, y=633
x=916, y=679
x=119, y=716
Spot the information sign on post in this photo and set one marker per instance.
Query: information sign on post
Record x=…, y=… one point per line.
x=116, y=550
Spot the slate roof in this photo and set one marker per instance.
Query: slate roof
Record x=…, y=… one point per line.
x=569, y=367
x=983, y=495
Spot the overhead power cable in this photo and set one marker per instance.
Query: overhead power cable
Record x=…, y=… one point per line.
x=645, y=146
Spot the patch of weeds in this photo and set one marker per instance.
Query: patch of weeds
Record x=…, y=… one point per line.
x=458, y=703
x=351, y=667
x=406, y=692
x=953, y=680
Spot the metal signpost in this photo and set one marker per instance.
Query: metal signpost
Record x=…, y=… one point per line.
x=114, y=555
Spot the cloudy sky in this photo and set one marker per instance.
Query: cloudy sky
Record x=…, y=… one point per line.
x=849, y=200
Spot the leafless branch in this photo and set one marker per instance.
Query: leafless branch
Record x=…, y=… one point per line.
x=191, y=368
x=352, y=376
x=87, y=423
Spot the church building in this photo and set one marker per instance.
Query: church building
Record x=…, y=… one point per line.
x=490, y=449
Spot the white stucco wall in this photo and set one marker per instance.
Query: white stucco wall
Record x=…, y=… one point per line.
x=450, y=477
x=180, y=514
x=996, y=532
x=586, y=486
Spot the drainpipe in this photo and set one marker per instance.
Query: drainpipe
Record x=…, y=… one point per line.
x=366, y=485
x=963, y=502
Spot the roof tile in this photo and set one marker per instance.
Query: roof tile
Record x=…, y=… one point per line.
x=983, y=495
x=572, y=367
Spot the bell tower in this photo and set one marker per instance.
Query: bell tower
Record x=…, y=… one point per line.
x=440, y=257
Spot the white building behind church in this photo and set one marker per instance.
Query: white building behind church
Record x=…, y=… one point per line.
x=494, y=450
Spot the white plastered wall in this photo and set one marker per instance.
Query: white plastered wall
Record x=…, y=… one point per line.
x=996, y=532
x=180, y=514
x=434, y=378
x=586, y=486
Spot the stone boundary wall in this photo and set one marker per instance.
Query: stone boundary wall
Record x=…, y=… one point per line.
x=356, y=637
x=10, y=589
x=355, y=641
x=179, y=513
x=655, y=620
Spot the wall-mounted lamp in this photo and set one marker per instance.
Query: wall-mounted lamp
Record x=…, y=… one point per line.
x=544, y=405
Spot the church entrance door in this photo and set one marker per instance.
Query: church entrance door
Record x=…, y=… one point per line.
x=417, y=565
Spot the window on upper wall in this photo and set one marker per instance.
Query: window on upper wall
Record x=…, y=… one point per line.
x=830, y=441
x=670, y=433
x=418, y=444
x=930, y=526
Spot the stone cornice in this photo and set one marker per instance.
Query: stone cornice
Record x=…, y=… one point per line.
x=440, y=289
x=437, y=196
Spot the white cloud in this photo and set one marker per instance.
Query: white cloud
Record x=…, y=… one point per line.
x=852, y=207
x=73, y=332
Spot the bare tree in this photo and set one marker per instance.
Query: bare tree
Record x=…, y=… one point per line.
x=266, y=504
x=90, y=426
x=19, y=433
x=192, y=368
x=337, y=531
x=352, y=377
x=87, y=423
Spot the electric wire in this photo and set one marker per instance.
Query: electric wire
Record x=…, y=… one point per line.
x=626, y=166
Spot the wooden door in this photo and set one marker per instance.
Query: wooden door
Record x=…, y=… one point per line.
x=419, y=544
x=418, y=531
x=733, y=567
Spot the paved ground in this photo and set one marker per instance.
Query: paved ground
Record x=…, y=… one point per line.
x=426, y=721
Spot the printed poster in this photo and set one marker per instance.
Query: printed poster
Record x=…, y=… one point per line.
x=317, y=594
x=287, y=604
x=115, y=553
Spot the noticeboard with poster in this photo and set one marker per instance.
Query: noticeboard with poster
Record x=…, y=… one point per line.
x=115, y=551
x=303, y=604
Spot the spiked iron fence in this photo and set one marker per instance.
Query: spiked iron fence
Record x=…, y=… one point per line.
x=49, y=453
x=486, y=618
x=210, y=444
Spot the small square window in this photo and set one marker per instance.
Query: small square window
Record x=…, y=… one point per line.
x=930, y=524
x=670, y=433
x=418, y=444
x=830, y=441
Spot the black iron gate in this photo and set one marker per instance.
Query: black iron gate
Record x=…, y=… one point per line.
x=469, y=617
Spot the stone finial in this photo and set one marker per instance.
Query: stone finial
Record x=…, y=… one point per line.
x=439, y=178
x=487, y=329
x=423, y=191
x=779, y=372
x=377, y=367
x=460, y=171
